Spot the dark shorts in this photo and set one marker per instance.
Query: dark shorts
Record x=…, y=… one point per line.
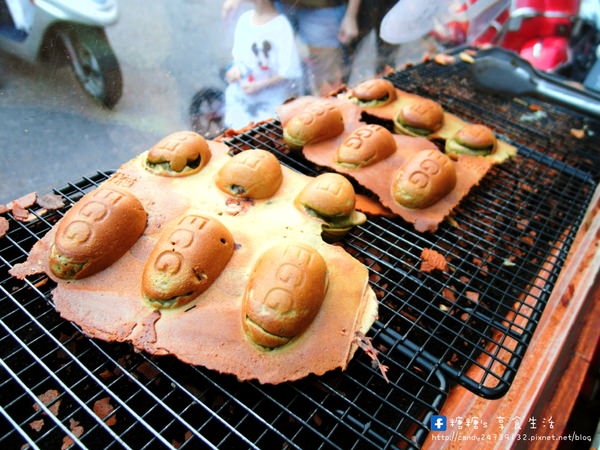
x=317, y=27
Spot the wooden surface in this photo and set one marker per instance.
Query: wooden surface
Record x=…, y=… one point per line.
x=553, y=369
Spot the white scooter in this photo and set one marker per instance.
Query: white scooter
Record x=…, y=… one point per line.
x=42, y=30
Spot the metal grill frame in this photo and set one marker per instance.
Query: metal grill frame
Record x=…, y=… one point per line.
x=149, y=408
x=170, y=401
x=392, y=249
x=515, y=118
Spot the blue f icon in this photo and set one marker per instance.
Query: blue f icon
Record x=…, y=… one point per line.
x=438, y=423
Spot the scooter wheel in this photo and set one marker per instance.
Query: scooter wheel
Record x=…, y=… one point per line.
x=94, y=62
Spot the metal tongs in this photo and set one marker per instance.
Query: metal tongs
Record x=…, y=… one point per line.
x=504, y=72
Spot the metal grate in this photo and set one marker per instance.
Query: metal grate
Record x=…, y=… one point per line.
x=505, y=244
x=542, y=126
x=160, y=402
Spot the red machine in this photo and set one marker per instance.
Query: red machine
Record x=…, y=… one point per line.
x=549, y=34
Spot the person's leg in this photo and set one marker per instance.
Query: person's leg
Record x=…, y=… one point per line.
x=318, y=28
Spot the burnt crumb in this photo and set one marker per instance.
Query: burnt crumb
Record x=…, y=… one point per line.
x=37, y=425
x=24, y=202
x=432, y=260
x=77, y=431
x=50, y=201
x=49, y=398
x=3, y=226
x=147, y=370
x=102, y=408
x=366, y=344
x=106, y=374
x=20, y=213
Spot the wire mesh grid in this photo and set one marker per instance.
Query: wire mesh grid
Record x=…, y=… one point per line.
x=60, y=388
x=546, y=127
x=505, y=245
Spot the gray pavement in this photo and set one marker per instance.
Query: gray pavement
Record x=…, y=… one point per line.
x=52, y=133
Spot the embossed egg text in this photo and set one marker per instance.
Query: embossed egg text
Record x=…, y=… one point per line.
x=284, y=293
x=319, y=121
x=254, y=174
x=419, y=117
x=329, y=194
x=424, y=179
x=188, y=257
x=96, y=232
x=365, y=146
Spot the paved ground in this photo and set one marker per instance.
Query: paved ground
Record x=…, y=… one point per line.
x=52, y=133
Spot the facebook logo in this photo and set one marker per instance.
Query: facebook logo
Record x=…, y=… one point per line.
x=438, y=423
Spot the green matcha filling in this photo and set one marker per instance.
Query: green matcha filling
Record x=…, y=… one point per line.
x=408, y=129
x=284, y=340
x=165, y=166
x=237, y=190
x=167, y=303
x=407, y=200
x=370, y=103
x=64, y=267
x=337, y=226
x=339, y=221
x=454, y=147
x=349, y=165
x=291, y=141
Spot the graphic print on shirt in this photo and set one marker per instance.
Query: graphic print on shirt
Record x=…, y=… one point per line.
x=262, y=66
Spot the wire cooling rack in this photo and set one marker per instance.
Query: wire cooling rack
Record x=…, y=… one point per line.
x=549, y=128
x=58, y=387
x=505, y=244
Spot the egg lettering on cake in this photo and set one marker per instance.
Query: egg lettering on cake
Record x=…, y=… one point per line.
x=188, y=257
x=419, y=116
x=179, y=154
x=96, y=232
x=373, y=93
x=367, y=145
x=424, y=179
x=284, y=293
x=318, y=121
x=252, y=174
x=472, y=139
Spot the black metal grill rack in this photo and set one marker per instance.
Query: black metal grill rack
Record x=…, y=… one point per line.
x=533, y=122
x=506, y=244
x=160, y=402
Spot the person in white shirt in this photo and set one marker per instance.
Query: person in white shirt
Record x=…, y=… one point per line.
x=266, y=67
